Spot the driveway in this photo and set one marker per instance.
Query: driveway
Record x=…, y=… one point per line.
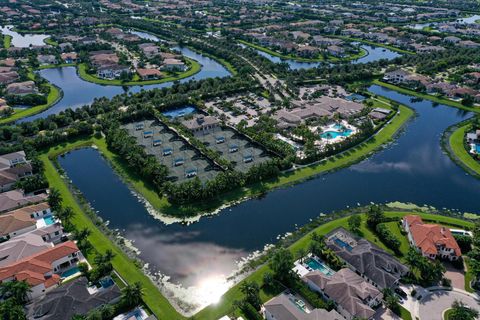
x=432, y=306
x=457, y=276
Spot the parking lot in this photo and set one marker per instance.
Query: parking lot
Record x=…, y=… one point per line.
x=181, y=159
x=235, y=148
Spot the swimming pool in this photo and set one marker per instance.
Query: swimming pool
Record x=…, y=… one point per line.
x=343, y=244
x=477, y=148
x=317, y=265
x=48, y=220
x=106, y=282
x=70, y=272
x=179, y=112
x=355, y=97
x=334, y=134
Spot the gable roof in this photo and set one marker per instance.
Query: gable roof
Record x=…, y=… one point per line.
x=428, y=236
x=378, y=265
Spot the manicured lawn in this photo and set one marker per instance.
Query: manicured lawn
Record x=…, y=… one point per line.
x=456, y=144
x=122, y=264
x=7, y=41
x=395, y=228
x=50, y=42
x=225, y=305
x=439, y=100
x=53, y=96
x=405, y=314
x=194, y=68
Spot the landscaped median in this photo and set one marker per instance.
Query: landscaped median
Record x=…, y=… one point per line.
x=125, y=267
x=436, y=99
x=194, y=68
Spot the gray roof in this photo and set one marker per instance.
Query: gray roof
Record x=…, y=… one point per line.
x=379, y=266
x=348, y=290
x=283, y=309
x=16, y=198
x=70, y=299
x=20, y=247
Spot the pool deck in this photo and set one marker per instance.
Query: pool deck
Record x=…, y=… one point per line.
x=302, y=269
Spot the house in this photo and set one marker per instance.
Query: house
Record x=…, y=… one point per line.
x=336, y=51
x=13, y=167
x=372, y=263
x=173, y=65
x=452, y=39
x=354, y=297
x=149, y=49
x=42, y=270
x=432, y=240
x=72, y=298
x=149, y=74
x=3, y=105
x=202, y=125
x=14, y=199
x=283, y=307
x=22, y=88
x=45, y=59
x=35, y=211
x=112, y=71
x=15, y=224
x=8, y=77
x=468, y=44
x=69, y=57
x=396, y=76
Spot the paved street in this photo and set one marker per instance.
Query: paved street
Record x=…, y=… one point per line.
x=432, y=306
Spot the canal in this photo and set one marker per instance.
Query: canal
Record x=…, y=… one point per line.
x=196, y=259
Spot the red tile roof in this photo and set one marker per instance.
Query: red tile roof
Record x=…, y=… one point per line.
x=428, y=236
x=33, y=269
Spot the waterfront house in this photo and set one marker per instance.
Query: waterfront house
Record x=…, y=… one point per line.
x=288, y=307
x=22, y=88
x=396, y=76
x=45, y=59
x=69, y=57
x=72, y=298
x=372, y=263
x=173, y=65
x=149, y=74
x=14, y=199
x=15, y=224
x=432, y=240
x=111, y=71
x=42, y=270
x=36, y=211
x=354, y=297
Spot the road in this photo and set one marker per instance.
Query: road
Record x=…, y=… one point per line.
x=432, y=306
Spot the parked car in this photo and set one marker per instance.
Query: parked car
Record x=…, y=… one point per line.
x=401, y=293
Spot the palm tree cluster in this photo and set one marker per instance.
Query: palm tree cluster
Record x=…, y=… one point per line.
x=14, y=295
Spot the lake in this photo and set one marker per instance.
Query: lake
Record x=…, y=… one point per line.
x=23, y=40
x=197, y=258
x=374, y=54
x=78, y=92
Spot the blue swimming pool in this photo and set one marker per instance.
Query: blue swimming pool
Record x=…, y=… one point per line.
x=49, y=220
x=477, y=148
x=179, y=112
x=335, y=134
x=355, y=97
x=317, y=265
x=70, y=272
x=106, y=282
x=343, y=244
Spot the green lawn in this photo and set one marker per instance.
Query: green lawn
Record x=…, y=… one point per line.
x=122, y=264
x=54, y=95
x=51, y=42
x=405, y=314
x=7, y=41
x=397, y=231
x=225, y=305
x=437, y=99
x=350, y=157
x=194, y=68
x=456, y=144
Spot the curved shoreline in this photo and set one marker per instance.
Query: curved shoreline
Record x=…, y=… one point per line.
x=452, y=143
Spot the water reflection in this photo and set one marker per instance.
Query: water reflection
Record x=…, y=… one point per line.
x=23, y=40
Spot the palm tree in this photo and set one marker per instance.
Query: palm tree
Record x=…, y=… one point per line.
x=16, y=290
x=460, y=311
x=132, y=294
x=10, y=310
x=54, y=199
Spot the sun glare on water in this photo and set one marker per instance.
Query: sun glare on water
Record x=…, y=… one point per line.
x=212, y=288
